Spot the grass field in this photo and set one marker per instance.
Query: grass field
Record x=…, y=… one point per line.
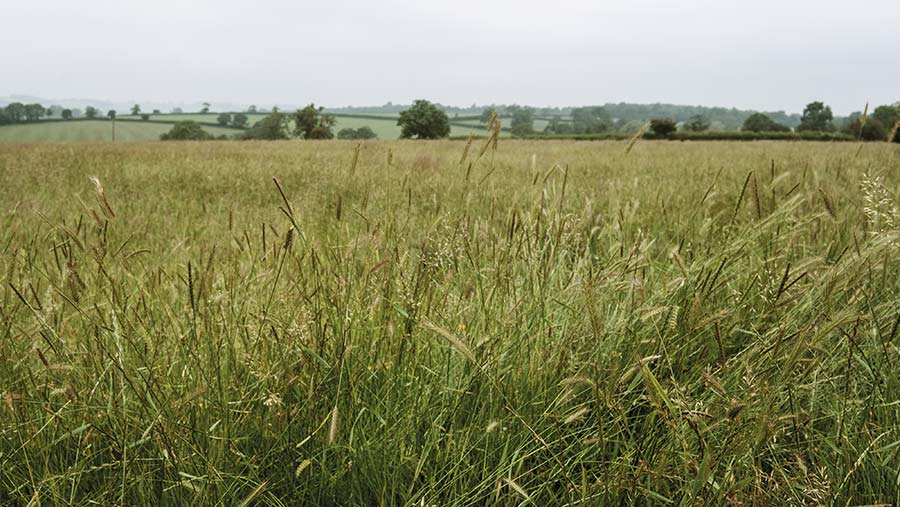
x=99, y=130
x=129, y=130
x=553, y=323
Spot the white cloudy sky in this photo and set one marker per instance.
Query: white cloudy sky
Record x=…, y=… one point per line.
x=761, y=54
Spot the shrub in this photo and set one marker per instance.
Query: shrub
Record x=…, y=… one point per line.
x=313, y=123
x=760, y=122
x=424, y=120
x=186, y=131
x=239, y=120
x=273, y=127
x=662, y=127
x=361, y=133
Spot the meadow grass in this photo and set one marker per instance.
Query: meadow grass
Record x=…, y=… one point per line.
x=91, y=131
x=554, y=323
x=130, y=128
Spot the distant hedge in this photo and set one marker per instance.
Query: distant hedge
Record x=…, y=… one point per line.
x=758, y=136
x=700, y=136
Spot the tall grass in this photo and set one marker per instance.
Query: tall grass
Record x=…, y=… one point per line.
x=555, y=323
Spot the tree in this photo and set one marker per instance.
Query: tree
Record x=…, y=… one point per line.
x=145, y=116
x=177, y=110
x=156, y=111
x=135, y=110
x=663, y=126
x=697, y=123
x=816, y=117
x=271, y=128
x=224, y=119
x=66, y=114
x=423, y=120
x=111, y=114
x=590, y=120
x=312, y=123
x=760, y=122
x=360, y=133
x=239, y=120
x=251, y=109
x=186, y=131
x=557, y=126
x=871, y=130
x=205, y=108
x=48, y=112
x=15, y=112
x=522, y=121
x=33, y=112
x=91, y=112
x=879, y=126
x=888, y=116
x=486, y=114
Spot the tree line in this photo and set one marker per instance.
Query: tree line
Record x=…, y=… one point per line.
x=423, y=120
x=427, y=120
x=584, y=121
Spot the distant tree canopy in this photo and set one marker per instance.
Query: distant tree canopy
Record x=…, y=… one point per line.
x=878, y=126
x=66, y=114
x=363, y=132
x=887, y=114
x=697, y=123
x=663, y=126
x=156, y=111
x=186, y=131
x=251, y=109
x=557, y=126
x=423, y=120
x=590, y=120
x=273, y=127
x=522, y=123
x=816, y=117
x=313, y=123
x=91, y=112
x=135, y=110
x=760, y=122
x=205, y=108
x=486, y=114
x=33, y=112
x=145, y=116
x=239, y=120
x=111, y=114
x=223, y=119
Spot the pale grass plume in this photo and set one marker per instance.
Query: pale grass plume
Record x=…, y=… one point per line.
x=878, y=206
x=640, y=133
x=257, y=491
x=301, y=467
x=518, y=489
x=101, y=198
x=894, y=132
x=333, y=429
x=576, y=416
x=455, y=342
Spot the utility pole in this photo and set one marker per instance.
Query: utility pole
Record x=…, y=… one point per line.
x=114, y=128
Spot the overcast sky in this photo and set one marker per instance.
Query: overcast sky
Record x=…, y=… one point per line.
x=760, y=54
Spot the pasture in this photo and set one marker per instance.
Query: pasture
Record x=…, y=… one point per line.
x=130, y=128
x=428, y=323
x=90, y=131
